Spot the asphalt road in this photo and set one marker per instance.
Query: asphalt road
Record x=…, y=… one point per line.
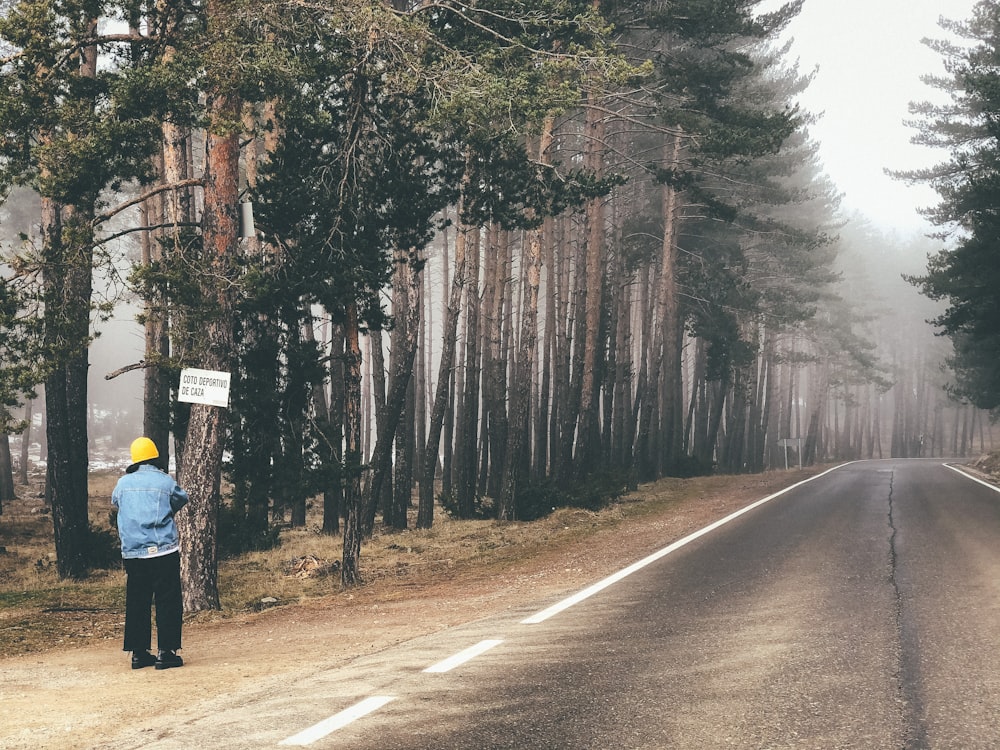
x=858, y=610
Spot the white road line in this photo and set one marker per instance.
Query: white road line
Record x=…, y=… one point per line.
x=463, y=656
x=338, y=721
x=367, y=706
x=616, y=577
x=974, y=479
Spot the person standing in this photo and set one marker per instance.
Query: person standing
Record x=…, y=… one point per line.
x=147, y=498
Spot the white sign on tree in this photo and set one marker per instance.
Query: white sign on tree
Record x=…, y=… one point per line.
x=204, y=387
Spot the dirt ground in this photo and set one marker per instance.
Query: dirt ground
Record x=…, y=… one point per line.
x=84, y=697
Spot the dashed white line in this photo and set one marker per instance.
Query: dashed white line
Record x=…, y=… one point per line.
x=614, y=578
x=367, y=706
x=463, y=656
x=337, y=721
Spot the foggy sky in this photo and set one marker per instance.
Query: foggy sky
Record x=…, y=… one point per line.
x=870, y=59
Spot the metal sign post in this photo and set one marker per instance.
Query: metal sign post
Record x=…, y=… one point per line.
x=797, y=442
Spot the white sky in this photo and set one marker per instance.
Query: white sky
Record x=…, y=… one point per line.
x=870, y=60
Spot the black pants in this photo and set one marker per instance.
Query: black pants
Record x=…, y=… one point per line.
x=153, y=579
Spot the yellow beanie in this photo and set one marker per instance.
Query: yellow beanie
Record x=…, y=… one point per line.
x=143, y=449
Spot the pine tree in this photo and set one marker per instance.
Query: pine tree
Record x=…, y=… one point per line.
x=967, y=275
x=69, y=134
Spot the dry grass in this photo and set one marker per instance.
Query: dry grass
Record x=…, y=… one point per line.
x=40, y=612
x=988, y=464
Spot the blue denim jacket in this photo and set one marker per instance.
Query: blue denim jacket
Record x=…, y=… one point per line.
x=147, y=499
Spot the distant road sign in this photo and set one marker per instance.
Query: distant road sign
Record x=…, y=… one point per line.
x=204, y=387
x=787, y=443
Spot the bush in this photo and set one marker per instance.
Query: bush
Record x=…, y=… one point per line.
x=104, y=551
x=537, y=500
x=238, y=533
x=593, y=492
x=482, y=507
x=687, y=467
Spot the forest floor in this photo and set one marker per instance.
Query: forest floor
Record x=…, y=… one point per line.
x=64, y=681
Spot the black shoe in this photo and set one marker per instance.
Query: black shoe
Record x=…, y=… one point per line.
x=142, y=659
x=168, y=659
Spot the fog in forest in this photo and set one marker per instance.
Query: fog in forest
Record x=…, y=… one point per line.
x=116, y=404
x=890, y=399
x=888, y=311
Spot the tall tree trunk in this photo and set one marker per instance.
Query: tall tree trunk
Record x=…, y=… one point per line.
x=665, y=360
x=772, y=413
x=420, y=380
x=333, y=432
x=201, y=471
x=402, y=483
x=377, y=369
x=467, y=439
x=406, y=311
x=6, y=472
x=812, y=450
x=574, y=353
x=587, y=457
x=696, y=430
x=401, y=371
x=524, y=365
x=638, y=433
x=495, y=284
x=22, y=469
x=293, y=426
x=520, y=392
x=425, y=510
x=545, y=396
x=718, y=398
x=173, y=211
x=68, y=257
x=68, y=250
x=672, y=408
x=758, y=415
x=350, y=571
x=563, y=419
x=617, y=393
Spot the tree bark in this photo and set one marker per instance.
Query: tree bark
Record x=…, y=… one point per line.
x=68, y=259
x=666, y=345
x=201, y=471
x=573, y=358
x=540, y=460
x=404, y=351
x=524, y=364
x=494, y=363
x=333, y=432
x=587, y=457
x=172, y=209
x=467, y=428
x=520, y=391
x=425, y=510
x=6, y=472
x=22, y=469
x=174, y=212
x=405, y=336
x=68, y=249
x=377, y=381
x=350, y=571
x=292, y=448
x=672, y=408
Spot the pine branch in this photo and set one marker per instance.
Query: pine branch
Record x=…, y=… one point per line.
x=193, y=182
x=140, y=365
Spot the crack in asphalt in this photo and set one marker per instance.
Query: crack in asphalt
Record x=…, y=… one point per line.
x=908, y=674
